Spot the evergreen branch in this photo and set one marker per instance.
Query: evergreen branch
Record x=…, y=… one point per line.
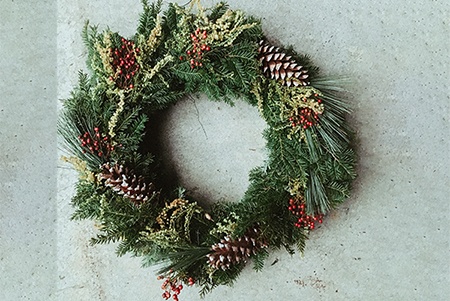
x=332, y=84
x=315, y=195
x=183, y=259
x=259, y=258
x=147, y=20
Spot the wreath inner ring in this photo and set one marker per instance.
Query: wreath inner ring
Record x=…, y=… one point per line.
x=210, y=147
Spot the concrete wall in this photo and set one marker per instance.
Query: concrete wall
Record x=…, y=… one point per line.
x=389, y=241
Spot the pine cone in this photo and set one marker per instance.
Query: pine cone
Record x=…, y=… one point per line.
x=232, y=251
x=279, y=66
x=126, y=183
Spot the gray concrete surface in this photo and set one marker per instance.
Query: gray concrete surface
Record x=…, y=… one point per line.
x=389, y=241
x=28, y=158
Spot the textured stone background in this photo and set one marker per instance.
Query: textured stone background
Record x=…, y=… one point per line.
x=388, y=242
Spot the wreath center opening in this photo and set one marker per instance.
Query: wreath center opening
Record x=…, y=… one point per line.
x=211, y=146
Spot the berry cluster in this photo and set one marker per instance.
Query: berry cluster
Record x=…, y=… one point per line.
x=96, y=143
x=306, y=116
x=195, y=55
x=172, y=287
x=124, y=64
x=304, y=220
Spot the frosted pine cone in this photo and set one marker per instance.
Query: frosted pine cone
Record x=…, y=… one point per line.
x=233, y=251
x=126, y=183
x=279, y=66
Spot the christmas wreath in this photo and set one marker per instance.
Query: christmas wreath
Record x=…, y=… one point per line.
x=109, y=128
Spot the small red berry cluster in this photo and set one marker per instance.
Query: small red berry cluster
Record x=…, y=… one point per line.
x=172, y=287
x=306, y=116
x=124, y=63
x=304, y=220
x=96, y=143
x=195, y=55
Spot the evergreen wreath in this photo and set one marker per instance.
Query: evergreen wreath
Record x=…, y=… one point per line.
x=108, y=127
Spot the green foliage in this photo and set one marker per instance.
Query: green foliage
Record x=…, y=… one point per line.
x=259, y=258
x=187, y=259
x=87, y=201
x=313, y=165
x=85, y=110
x=148, y=17
x=230, y=67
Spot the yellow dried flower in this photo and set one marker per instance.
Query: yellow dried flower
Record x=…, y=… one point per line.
x=80, y=166
x=113, y=121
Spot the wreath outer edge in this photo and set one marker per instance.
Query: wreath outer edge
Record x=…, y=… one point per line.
x=107, y=127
